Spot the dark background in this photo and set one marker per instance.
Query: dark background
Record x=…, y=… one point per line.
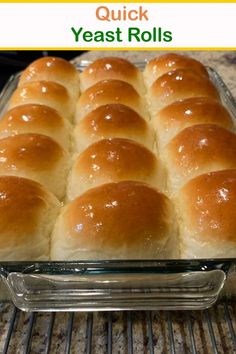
x=13, y=61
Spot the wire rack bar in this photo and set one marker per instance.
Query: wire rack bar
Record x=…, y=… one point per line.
x=211, y=332
x=130, y=332
x=171, y=334
x=29, y=333
x=109, y=333
x=10, y=330
x=49, y=333
x=150, y=332
x=230, y=325
x=191, y=334
x=89, y=333
x=69, y=333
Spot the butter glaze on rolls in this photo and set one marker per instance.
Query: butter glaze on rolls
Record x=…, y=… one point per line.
x=28, y=212
x=46, y=93
x=197, y=150
x=125, y=220
x=114, y=160
x=107, y=92
x=111, y=68
x=112, y=121
x=168, y=62
x=33, y=118
x=53, y=69
x=37, y=157
x=207, y=210
x=188, y=112
x=179, y=84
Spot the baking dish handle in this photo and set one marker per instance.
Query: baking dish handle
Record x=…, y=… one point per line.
x=106, y=291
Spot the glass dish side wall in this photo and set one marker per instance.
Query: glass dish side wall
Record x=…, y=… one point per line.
x=105, y=285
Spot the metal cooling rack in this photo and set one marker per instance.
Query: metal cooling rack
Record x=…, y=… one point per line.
x=178, y=332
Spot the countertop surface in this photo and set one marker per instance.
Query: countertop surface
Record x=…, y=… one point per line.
x=80, y=323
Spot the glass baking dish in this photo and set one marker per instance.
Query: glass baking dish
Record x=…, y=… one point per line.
x=118, y=285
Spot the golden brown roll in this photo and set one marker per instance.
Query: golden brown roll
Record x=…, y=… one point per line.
x=112, y=121
x=37, y=157
x=188, y=112
x=179, y=84
x=114, y=160
x=168, y=62
x=53, y=69
x=206, y=205
x=125, y=220
x=46, y=93
x=111, y=68
x=35, y=118
x=197, y=150
x=107, y=92
x=28, y=212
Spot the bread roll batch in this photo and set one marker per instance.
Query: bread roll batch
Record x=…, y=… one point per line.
x=199, y=149
x=55, y=70
x=116, y=208
x=179, y=84
x=207, y=207
x=124, y=220
x=187, y=112
x=38, y=118
x=35, y=149
x=37, y=157
x=169, y=62
x=114, y=160
x=196, y=142
x=28, y=213
x=48, y=93
x=136, y=166
x=108, y=92
x=112, y=121
x=111, y=68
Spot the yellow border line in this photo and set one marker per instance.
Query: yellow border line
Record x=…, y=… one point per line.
x=119, y=48
x=117, y=1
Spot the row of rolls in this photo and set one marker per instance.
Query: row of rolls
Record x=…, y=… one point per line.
x=116, y=163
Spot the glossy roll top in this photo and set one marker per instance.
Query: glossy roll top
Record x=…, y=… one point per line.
x=188, y=112
x=107, y=92
x=168, y=62
x=28, y=213
x=37, y=157
x=35, y=118
x=179, y=84
x=197, y=150
x=53, y=69
x=114, y=160
x=111, y=68
x=125, y=220
x=112, y=121
x=207, y=205
x=46, y=93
